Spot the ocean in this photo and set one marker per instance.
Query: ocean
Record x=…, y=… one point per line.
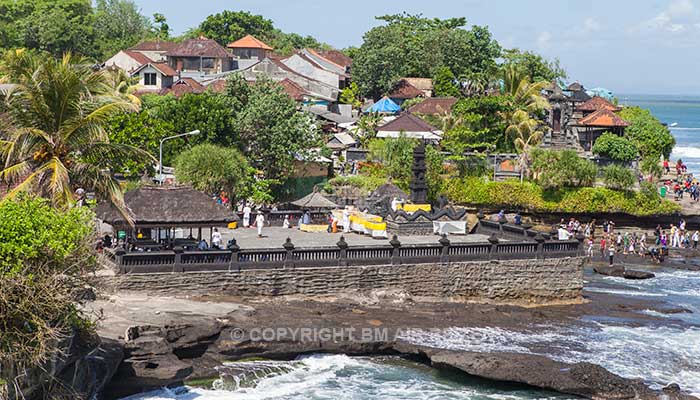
x=682, y=115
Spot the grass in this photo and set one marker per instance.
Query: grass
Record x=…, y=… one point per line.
x=202, y=383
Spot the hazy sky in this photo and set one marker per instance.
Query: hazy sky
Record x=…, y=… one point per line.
x=628, y=46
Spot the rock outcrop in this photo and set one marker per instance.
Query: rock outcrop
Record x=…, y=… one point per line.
x=622, y=272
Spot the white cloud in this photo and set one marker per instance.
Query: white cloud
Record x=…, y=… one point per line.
x=591, y=25
x=678, y=17
x=544, y=40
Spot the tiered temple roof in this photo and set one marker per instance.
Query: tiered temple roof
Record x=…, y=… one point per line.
x=603, y=118
x=598, y=103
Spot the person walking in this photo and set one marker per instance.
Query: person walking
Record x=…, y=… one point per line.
x=259, y=222
x=611, y=254
x=696, y=236
x=590, y=248
x=246, y=215
x=346, y=220
x=603, y=243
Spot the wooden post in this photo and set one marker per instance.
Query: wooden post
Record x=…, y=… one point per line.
x=445, y=255
x=395, y=251
x=343, y=246
x=289, y=258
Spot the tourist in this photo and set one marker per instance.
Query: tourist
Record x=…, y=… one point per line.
x=643, y=244
x=603, y=243
x=395, y=204
x=618, y=241
x=203, y=245
x=667, y=168
x=518, y=218
x=625, y=243
x=216, y=239
x=611, y=254
x=502, y=216
x=285, y=223
x=562, y=233
x=675, y=237
x=589, y=251
x=107, y=241
x=346, y=220
x=696, y=236
x=259, y=222
x=246, y=215
x=307, y=217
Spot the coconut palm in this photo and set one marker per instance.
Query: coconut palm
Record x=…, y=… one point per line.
x=526, y=135
x=526, y=95
x=55, y=140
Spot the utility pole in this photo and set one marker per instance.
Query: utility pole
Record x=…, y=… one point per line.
x=160, y=153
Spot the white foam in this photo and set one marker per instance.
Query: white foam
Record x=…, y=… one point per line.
x=685, y=152
x=624, y=292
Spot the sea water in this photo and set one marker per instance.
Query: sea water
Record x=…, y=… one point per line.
x=682, y=115
x=660, y=352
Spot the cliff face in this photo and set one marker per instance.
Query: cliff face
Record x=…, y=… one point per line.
x=80, y=369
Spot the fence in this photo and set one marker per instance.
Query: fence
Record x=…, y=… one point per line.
x=289, y=256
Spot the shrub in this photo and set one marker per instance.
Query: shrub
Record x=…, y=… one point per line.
x=556, y=169
x=618, y=177
x=211, y=168
x=395, y=155
x=651, y=137
x=615, y=147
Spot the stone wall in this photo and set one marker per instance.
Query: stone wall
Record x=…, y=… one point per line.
x=537, y=281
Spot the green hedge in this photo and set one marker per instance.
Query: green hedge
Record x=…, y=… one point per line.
x=530, y=196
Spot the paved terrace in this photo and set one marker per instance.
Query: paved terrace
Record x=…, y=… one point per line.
x=274, y=237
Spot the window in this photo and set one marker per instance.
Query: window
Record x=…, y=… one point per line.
x=150, y=79
x=207, y=63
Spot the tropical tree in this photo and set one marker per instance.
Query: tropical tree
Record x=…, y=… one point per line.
x=211, y=168
x=525, y=95
x=526, y=134
x=55, y=139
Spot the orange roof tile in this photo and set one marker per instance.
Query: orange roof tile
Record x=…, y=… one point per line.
x=294, y=91
x=248, y=42
x=404, y=90
x=603, y=118
x=434, y=105
x=597, y=103
x=138, y=56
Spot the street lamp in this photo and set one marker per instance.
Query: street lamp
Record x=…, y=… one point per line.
x=160, y=155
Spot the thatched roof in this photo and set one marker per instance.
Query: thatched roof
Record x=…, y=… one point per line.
x=388, y=190
x=314, y=200
x=162, y=206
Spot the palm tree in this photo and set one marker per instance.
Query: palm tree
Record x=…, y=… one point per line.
x=526, y=134
x=54, y=138
x=526, y=95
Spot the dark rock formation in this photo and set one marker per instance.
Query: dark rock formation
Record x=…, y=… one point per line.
x=622, y=272
x=165, y=356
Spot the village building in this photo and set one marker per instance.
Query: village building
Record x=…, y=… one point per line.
x=410, y=126
x=384, y=106
x=154, y=77
x=154, y=49
x=425, y=85
x=597, y=123
x=197, y=57
x=127, y=60
x=247, y=51
x=312, y=65
x=404, y=90
x=184, y=85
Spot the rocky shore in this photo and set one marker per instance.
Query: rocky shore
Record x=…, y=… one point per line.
x=168, y=341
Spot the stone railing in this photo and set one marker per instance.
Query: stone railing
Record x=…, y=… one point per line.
x=442, y=251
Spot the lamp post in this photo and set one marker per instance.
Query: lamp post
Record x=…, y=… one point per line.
x=160, y=152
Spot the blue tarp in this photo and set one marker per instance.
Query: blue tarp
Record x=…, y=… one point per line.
x=601, y=92
x=384, y=106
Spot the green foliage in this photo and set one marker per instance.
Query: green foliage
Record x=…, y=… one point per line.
x=557, y=169
x=434, y=163
x=615, y=147
x=161, y=28
x=652, y=138
x=44, y=256
x=351, y=95
x=210, y=169
x=367, y=125
x=618, y=177
x=650, y=165
x=211, y=113
x=410, y=45
x=533, y=65
x=394, y=155
x=478, y=124
x=143, y=131
x=118, y=25
x=272, y=130
x=530, y=196
x=366, y=183
x=444, y=83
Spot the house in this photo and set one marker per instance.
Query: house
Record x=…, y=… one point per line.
x=595, y=124
x=434, y=106
x=127, y=60
x=249, y=47
x=197, y=57
x=404, y=90
x=341, y=141
x=410, y=126
x=384, y=106
x=154, y=49
x=154, y=77
x=343, y=70
x=423, y=84
x=184, y=85
x=296, y=92
x=337, y=57
x=304, y=65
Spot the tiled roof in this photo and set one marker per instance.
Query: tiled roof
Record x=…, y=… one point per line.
x=198, y=48
x=139, y=57
x=579, y=96
x=154, y=45
x=404, y=90
x=294, y=91
x=597, y=103
x=335, y=56
x=574, y=87
x=421, y=83
x=164, y=68
x=218, y=85
x=184, y=85
x=603, y=118
x=434, y=105
x=248, y=42
x=407, y=122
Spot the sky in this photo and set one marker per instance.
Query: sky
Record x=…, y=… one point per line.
x=627, y=46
